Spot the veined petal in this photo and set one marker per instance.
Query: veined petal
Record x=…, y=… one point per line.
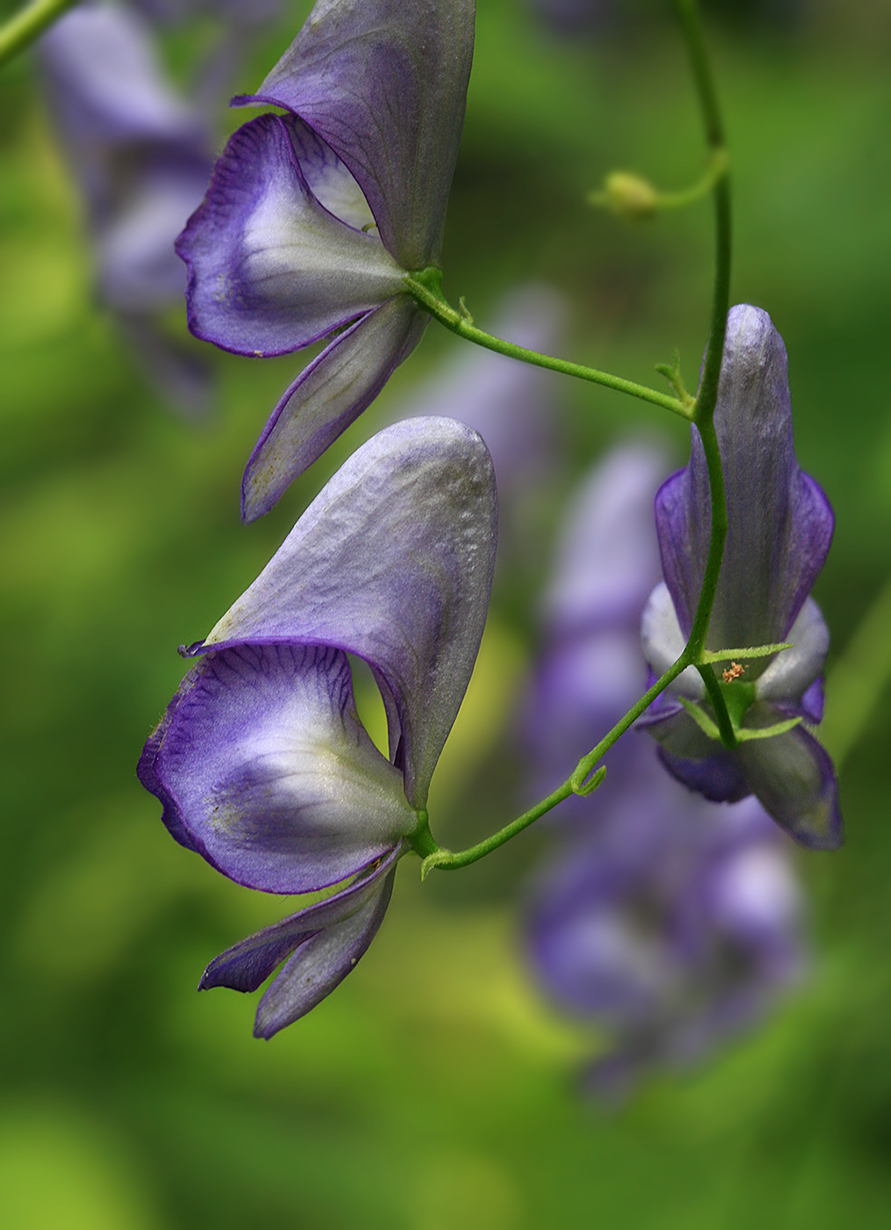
x=270, y=269
x=384, y=84
x=323, y=961
x=249, y=963
x=328, y=178
x=793, y=776
x=780, y=522
x=392, y=561
x=792, y=672
x=328, y=395
x=264, y=768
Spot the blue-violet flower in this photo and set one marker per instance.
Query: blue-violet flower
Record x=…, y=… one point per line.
x=671, y=922
x=313, y=219
x=665, y=920
x=780, y=528
x=261, y=761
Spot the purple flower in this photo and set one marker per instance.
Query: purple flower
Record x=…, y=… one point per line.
x=141, y=158
x=313, y=219
x=261, y=762
x=670, y=922
x=664, y=919
x=780, y=528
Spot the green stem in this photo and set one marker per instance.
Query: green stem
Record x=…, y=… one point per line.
x=707, y=95
x=24, y=27
x=717, y=169
x=725, y=726
x=423, y=286
x=446, y=860
x=427, y=289
x=717, y=538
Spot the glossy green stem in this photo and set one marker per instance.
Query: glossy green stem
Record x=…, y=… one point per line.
x=425, y=287
x=427, y=290
x=24, y=27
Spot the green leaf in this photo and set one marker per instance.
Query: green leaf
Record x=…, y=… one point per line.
x=753, y=651
x=767, y=732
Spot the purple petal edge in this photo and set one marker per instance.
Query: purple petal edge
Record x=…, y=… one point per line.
x=246, y=965
x=326, y=398
x=322, y=961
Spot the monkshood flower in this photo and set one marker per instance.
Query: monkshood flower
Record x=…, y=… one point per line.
x=313, y=219
x=140, y=156
x=261, y=762
x=666, y=920
x=671, y=923
x=590, y=669
x=780, y=528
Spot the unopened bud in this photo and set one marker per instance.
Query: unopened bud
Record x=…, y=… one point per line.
x=628, y=195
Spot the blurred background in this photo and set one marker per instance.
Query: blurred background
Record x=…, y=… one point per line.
x=436, y=1088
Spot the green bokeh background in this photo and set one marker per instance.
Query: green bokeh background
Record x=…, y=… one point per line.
x=433, y=1091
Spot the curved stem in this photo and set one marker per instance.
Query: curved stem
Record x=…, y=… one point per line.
x=699, y=631
x=725, y=726
x=446, y=860
x=426, y=288
x=24, y=27
x=423, y=287
x=707, y=95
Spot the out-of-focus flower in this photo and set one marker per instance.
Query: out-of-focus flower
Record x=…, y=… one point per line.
x=141, y=157
x=514, y=406
x=672, y=923
x=780, y=528
x=261, y=761
x=313, y=219
x=664, y=919
x=590, y=668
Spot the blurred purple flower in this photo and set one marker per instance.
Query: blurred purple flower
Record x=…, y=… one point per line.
x=672, y=923
x=514, y=407
x=261, y=762
x=780, y=528
x=313, y=219
x=590, y=668
x=140, y=156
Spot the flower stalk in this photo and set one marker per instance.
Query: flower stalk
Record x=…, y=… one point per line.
x=24, y=27
x=426, y=287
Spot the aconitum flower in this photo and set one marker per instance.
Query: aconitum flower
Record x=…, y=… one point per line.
x=140, y=155
x=313, y=219
x=665, y=920
x=670, y=922
x=261, y=762
x=780, y=528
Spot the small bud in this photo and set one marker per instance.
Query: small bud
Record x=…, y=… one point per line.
x=628, y=195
